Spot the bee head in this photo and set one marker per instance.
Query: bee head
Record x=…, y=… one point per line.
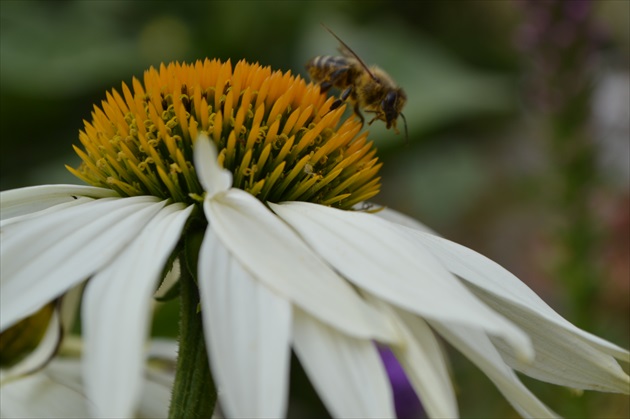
x=392, y=105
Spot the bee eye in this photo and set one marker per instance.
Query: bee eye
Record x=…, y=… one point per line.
x=390, y=100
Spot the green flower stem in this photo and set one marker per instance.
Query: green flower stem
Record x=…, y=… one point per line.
x=194, y=395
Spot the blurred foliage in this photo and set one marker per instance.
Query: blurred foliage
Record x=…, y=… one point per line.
x=478, y=167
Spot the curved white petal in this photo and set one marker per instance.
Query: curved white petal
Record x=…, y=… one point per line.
x=44, y=395
x=277, y=256
x=171, y=280
x=156, y=396
x=213, y=178
x=67, y=371
x=22, y=201
x=162, y=348
x=347, y=373
x=155, y=399
x=69, y=307
x=380, y=257
x=425, y=365
x=565, y=354
x=247, y=330
x=57, y=390
x=115, y=312
x=162, y=372
x=45, y=256
x=40, y=355
x=496, y=280
x=562, y=357
x=478, y=348
x=402, y=219
x=52, y=209
x=158, y=379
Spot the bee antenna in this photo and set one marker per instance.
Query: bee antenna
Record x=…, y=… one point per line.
x=406, y=131
x=354, y=54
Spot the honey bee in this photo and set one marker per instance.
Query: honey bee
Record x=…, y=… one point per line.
x=368, y=88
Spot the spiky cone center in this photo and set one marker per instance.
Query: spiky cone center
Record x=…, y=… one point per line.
x=274, y=132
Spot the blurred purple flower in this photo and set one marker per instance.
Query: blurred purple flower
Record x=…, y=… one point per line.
x=406, y=401
x=559, y=39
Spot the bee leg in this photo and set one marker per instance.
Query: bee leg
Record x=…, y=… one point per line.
x=325, y=86
x=357, y=112
x=336, y=104
x=375, y=117
x=345, y=94
x=342, y=98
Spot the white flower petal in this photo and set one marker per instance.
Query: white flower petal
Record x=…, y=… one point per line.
x=45, y=256
x=69, y=307
x=162, y=372
x=57, y=390
x=425, y=365
x=402, y=219
x=116, y=308
x=562, y=356
x=278, y=257
x=423, y=360
x=52, y=209
x=492, y=277
x=156, y=396
x=165, y=349
x=170, y=281
x=67, y=371
x=347, y=373
x=42, y=395
x=478, y=348
x=380, y=257
x=565, y=354
x=35, y=198
x=213, y=178
x=40, y=355
x=247, y=329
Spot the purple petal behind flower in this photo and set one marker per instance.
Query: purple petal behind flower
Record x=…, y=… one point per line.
x=406, y=401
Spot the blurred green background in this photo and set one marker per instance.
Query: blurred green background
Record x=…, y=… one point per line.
x=518, y=118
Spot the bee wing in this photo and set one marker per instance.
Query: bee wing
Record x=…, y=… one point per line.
x=347, y=52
